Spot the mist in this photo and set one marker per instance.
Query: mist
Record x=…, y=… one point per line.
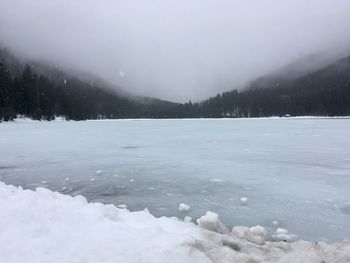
x=173, y=49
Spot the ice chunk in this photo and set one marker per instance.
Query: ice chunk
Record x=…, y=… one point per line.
x=122, y=206
x=132, y=180
x=239, y=231
x=256, y=234
x=282, y=234
x=275, y=223
x=281, y=231
x=99, y=172
x=211, y=221
x=244, y=200
x=92, y=179
x=258, y=231
x=184, y=207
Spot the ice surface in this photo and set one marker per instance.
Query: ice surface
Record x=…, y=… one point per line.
x=294, y=171
x=59, y=228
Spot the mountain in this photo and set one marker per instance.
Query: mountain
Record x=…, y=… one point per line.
x=322, y=92
x=41, y=91
x=58, y=76
x=298, y=68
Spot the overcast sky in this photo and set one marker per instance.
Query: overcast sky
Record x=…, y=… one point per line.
x=173, y=49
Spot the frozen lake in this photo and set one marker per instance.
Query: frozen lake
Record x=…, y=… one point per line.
x=295, y=171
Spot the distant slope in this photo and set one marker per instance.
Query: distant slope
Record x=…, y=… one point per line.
x=56, y=75
x=41, y=91
x=297, y=69
x=323, y=92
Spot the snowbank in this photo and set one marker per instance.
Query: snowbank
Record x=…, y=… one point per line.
x=21, y=119
x=24, y=119
x=44, y=226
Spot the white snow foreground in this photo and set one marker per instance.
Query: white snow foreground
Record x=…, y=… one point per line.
x=45, y=226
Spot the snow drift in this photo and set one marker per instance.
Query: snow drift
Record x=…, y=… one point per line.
x=45, y=226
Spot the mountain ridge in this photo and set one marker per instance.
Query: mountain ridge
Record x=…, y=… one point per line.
x=321, y=91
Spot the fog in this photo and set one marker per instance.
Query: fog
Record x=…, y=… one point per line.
x=173, y=49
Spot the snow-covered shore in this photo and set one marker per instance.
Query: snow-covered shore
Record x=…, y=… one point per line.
x=23, y=119
x=45, y=226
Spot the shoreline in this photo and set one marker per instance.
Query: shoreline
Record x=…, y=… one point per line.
x=62, y=119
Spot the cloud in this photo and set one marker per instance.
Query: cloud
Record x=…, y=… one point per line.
x=173, y=49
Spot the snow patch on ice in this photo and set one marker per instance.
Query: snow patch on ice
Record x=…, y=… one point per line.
x=275, y=223
x=99, y=172
x=244, y=200
x=184, y=207
x=216, y=180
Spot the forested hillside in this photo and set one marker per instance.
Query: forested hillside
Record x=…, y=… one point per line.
x=23, y=91
x=51, y=92
x=325, y=92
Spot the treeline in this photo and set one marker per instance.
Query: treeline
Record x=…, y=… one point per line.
x=23, y=91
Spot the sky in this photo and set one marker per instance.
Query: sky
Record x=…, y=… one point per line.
x=177, y=50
